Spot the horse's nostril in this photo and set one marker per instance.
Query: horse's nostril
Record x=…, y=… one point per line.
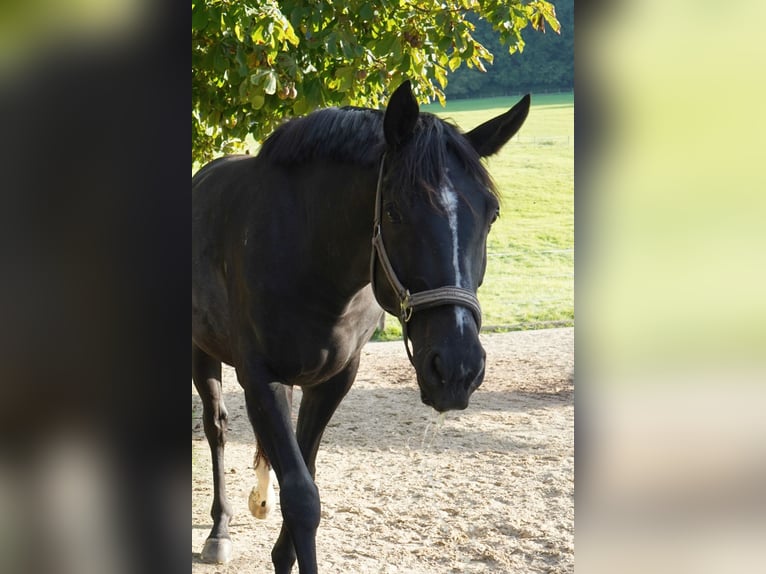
x=476, y=379
x=438, y=367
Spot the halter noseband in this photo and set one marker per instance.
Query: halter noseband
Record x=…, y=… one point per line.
x=411, y=302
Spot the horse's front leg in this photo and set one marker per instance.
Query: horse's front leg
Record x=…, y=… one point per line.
x=268, y=406
x=317, y=407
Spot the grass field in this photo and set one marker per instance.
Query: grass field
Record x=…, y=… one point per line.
x=530, y=270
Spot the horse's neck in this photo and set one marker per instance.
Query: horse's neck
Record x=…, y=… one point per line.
x=341, y=204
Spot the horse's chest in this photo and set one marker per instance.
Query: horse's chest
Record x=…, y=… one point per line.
x=310, y=362
x=318, y=365
x=317, y=351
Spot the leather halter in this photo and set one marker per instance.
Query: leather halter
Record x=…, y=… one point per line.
x=411, y=302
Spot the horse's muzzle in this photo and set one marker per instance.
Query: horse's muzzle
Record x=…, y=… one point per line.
x=448, y=379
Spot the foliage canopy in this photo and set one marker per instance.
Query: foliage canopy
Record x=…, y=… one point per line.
x=255, y=62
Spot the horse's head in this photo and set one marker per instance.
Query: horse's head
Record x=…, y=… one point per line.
x=434, y=209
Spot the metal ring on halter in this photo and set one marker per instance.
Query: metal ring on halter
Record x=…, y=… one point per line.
x=406, y=308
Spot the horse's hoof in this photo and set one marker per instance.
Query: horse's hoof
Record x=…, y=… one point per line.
x=216, y=551
x=259, y=506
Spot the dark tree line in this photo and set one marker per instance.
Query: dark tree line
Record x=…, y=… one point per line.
x=546, y=64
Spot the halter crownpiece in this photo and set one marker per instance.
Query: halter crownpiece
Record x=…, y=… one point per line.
x=411, y=302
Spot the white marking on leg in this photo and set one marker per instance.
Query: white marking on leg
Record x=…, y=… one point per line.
x=449, y=200
x=262, y=497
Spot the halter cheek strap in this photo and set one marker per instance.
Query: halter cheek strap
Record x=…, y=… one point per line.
x=411, y=302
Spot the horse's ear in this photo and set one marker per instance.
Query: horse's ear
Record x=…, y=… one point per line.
x=401, y=115
x=489, y=137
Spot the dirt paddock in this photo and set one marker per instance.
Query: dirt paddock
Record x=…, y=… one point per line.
x=491, y=489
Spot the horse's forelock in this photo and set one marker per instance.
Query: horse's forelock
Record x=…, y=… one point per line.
x=422, y=162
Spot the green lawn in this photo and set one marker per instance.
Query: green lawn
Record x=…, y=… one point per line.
x=530, y=273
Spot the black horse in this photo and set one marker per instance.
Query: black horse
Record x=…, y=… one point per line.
x=295, y=251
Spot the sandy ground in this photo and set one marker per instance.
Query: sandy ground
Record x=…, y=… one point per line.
x=491, y=489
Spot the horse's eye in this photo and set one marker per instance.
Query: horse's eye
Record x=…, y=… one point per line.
x=392, y=213
x=494, y=217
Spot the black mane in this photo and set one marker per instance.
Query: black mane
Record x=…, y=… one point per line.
x=348, y=135
x=355, y=135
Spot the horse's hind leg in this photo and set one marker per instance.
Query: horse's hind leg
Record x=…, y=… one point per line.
x=206, y=374
x=262, y=497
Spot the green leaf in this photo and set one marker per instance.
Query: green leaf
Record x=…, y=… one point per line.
x=270, y=86
x=397, y=48
x=219, y=61
x=291, y=36
x=199, y=17
x=385, y=46
x=313, y=93
x=257, y=100
x=346, y=77
x=258, y=77
x=242, y=61
x=366, y=13
x=459, y=42
x=441, y=76
x=331, y=44
x=549, y=13
x=297, y=15
x=347, y=44
x=445, y=44
x=406, y=63
x=301, y=107
x=257, y=35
